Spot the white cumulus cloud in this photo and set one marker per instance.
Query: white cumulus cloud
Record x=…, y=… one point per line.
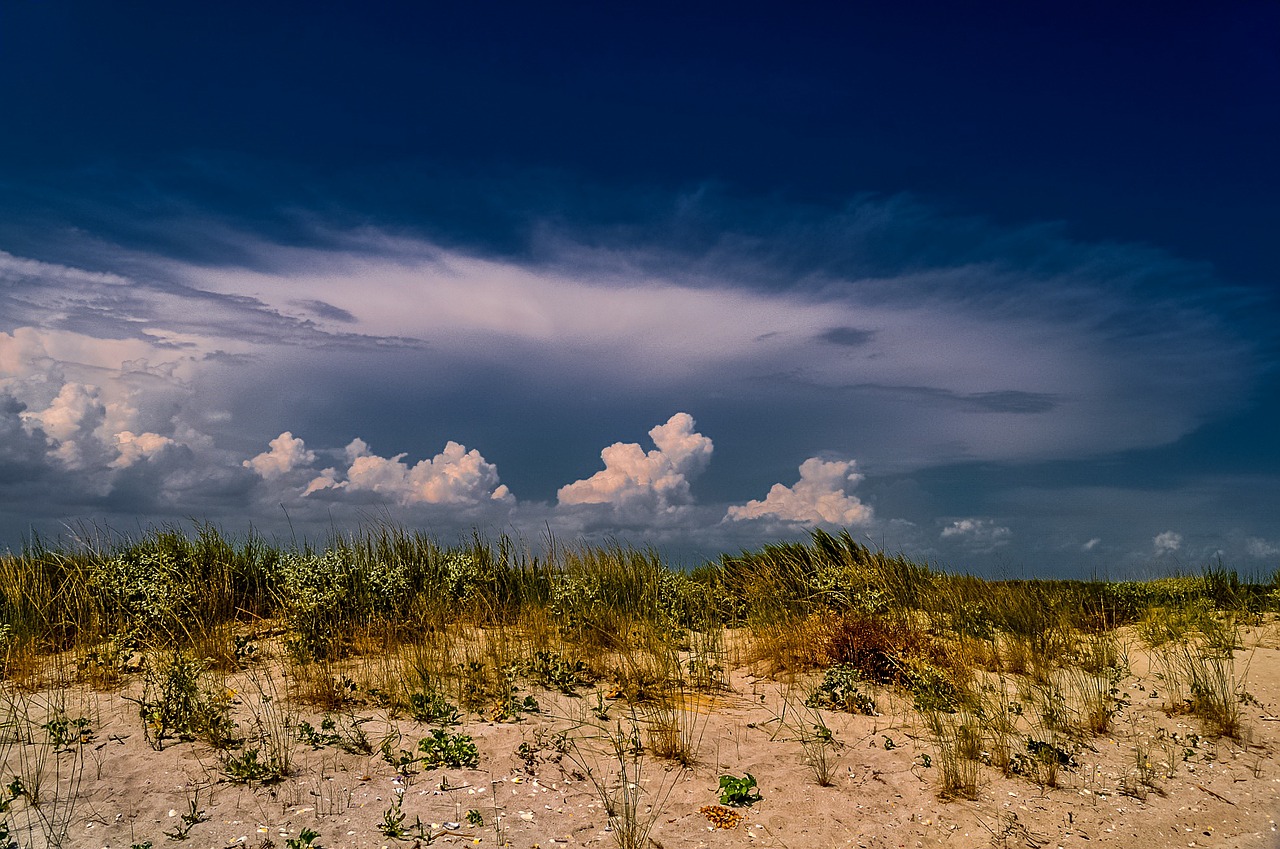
x=637, y=481
x=134, y=447
x=287, y=452
x=73, y=421
x=1167, y=542
x=820, y=496
x=455, y=476
x=979, y=535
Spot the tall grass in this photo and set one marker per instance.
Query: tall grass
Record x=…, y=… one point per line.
x=394, y=616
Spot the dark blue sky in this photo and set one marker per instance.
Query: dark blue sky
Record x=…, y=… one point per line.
x=1004, y=277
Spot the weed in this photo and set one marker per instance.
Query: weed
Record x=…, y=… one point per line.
x=475, y=819
x=176, y=706
x=1100, y=698
x=674, y=731
x=348, y=736
x=392, y=824
x=305, y=839
x=63, y=731
x=251, y=765
x=442, y=749
x=1215, y=690
x=546, y=748
x=820, y=747
x=1009, y=828
x=620, y=788
x=739, y=792
x=1042, y=762
x=1143, y=776
x=189, y=820
x=402, y=761
x=428, y=705
x=554, y=671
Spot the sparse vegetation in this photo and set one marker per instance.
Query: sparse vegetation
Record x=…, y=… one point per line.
x=224, y=646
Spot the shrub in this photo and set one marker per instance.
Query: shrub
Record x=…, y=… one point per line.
x=144, y=590
x=839, y=690
x=325, y=595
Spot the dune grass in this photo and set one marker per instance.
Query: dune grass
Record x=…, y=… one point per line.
x=1010, y=676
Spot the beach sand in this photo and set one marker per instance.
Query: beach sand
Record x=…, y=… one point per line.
x=115, y=790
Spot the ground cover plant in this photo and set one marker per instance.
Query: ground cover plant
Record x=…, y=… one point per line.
x=253, y=671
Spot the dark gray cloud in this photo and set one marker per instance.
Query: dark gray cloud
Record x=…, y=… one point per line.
x=850, y=337
x=22, y=450
x=998, y=401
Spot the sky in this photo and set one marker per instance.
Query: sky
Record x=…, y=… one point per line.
x=993, y=285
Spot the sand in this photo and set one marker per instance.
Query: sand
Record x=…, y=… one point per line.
x=884, y=792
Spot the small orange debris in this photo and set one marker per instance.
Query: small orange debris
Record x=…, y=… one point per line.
x=720, y=816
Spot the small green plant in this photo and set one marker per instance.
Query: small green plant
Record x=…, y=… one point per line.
x=349, y=737
x=553, y=670
x=402, y=761
x=475, y=819
x=739, y=792
x=443, y=749
x=392, y=824
x=63, y=731
x=429, y=706
x=193, y=817
x=250, y=766
x=306, y=838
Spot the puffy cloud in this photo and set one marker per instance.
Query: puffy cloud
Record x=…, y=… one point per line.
x=1091, y=544
x=640, y=482
x=286, y=453
x=1167, y=542
x=73, y=421
x=455, y=476
x=979, y=535
x=819, y=497
x=141, y=446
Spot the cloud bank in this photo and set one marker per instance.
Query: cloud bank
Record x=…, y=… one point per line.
x=170, y=388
